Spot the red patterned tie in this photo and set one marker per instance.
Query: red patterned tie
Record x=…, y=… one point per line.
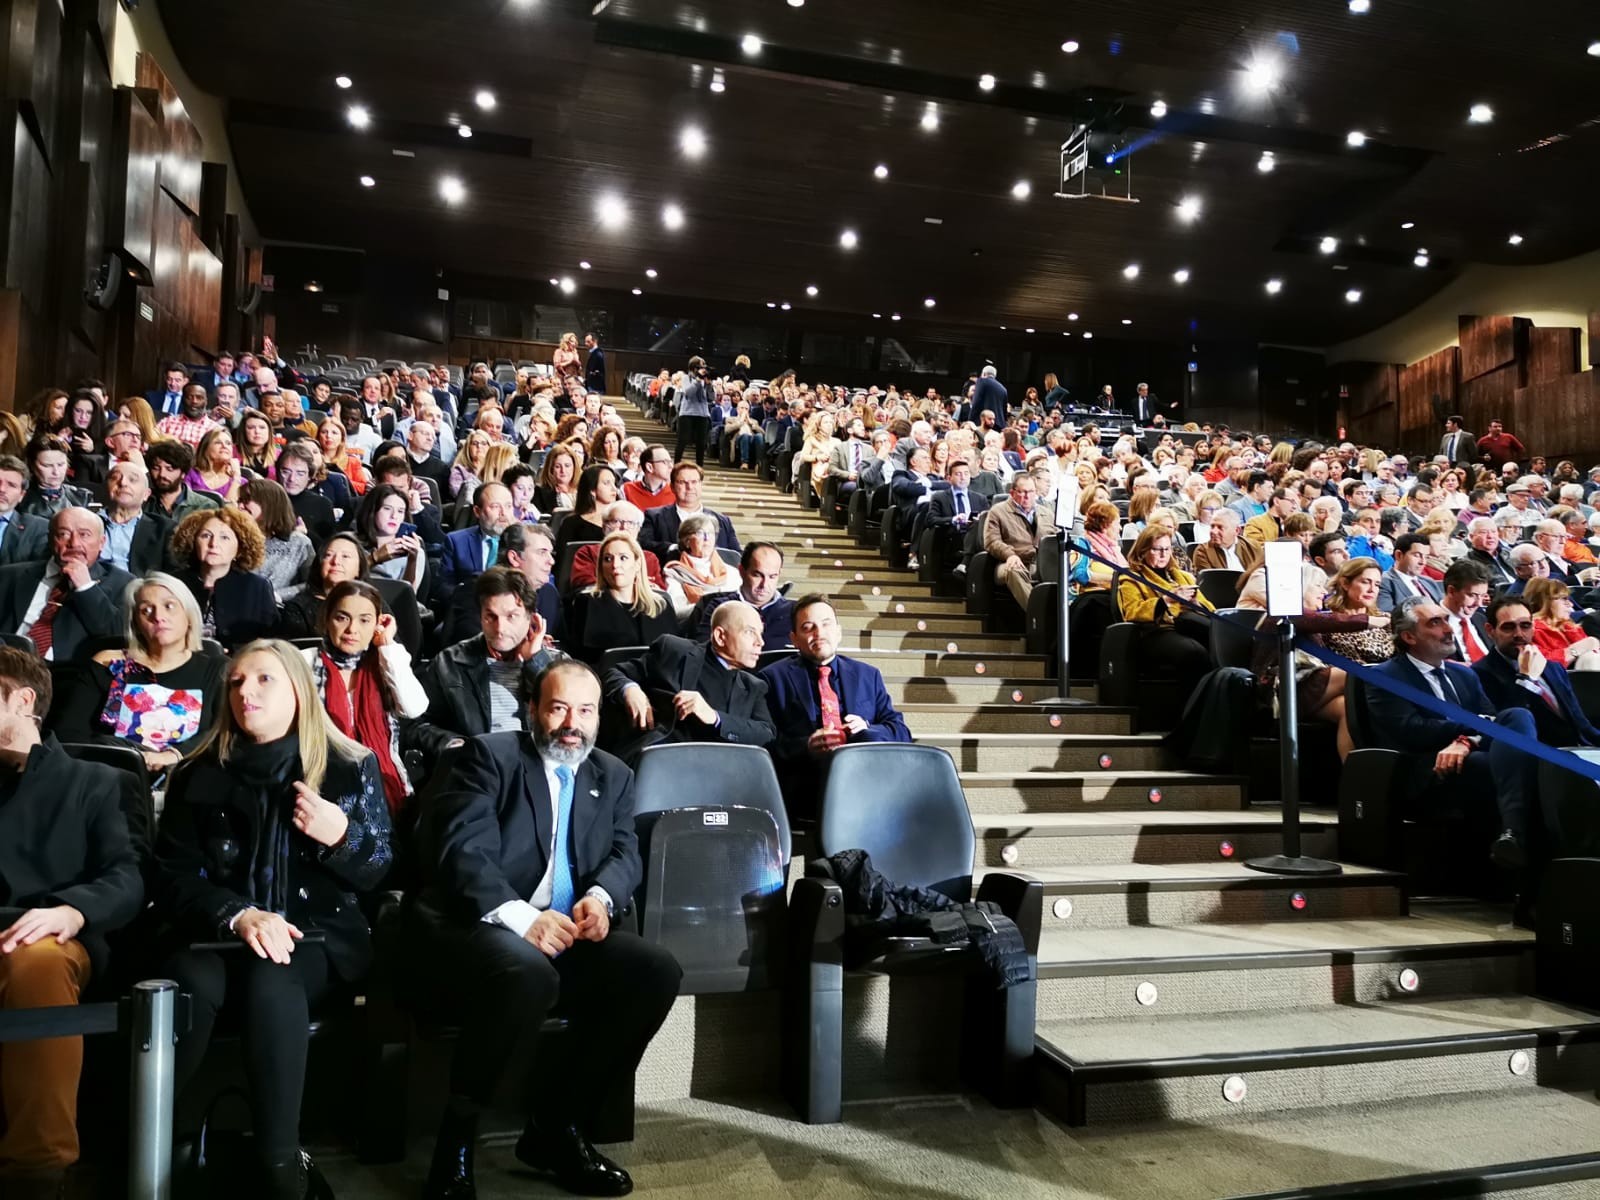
x=43, y=632
x=828, y=699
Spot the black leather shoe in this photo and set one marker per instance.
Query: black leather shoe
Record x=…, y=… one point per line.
x=571, y=1162
x=450, y=1174
x=1507, y=852
x=296, y=1179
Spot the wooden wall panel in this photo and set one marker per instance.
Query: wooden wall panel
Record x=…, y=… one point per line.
x=1437, y=375
x=1552, y=353
x=180, y=162
x=1490, y=397
x=135, y=166
x=1557, y=417
x=1369, y=401
x=1487, y=343
x=31, y=39
x=1594, y=339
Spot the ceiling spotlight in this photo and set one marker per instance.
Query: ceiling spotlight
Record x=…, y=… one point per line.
x=452, y=189
x=797, y=3
x=341, y=81
x=672, y=216
x=1515, y=239
x=929, y=302
x=1021, y=189
x=811, y=290
x=1027, y=331
x=750, y=44
x=313, y=286
x=1267, y=163
x=464, y=131
x=986, y=83
x=484, y=99
x=568, y=285
x=638, y=291
x=719, y=83
x=881, y=171
x=649, y=272
x=358, y=116
x=1131, y=271
x=1262, y=75
x=368, y=181
x=1355, y=139
x=1360, y=6
x=1189, y=209
x=786, y=306
x=584, y=265
x=1127, y=320
x=930, y=118
x=1181, y=275
x=1594, y=49
x=1069, y=47
x=1480, y=114
x=894, y=316
x=555, y=283
x=1072, y=316
x=692, y=141
x=1421, y=260
x=1274, y=286
x=1328, y=245
x=1408, y=224
x=848, y=239
x=1353, y=296
x=877, y=316
x=1158, y=109
x=611, y=211
x=1087, y=335
x=772, y=304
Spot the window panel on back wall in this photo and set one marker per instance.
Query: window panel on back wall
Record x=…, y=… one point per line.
x=665, y=335
x=765, y=344
x=840, y=350
x=916, y=358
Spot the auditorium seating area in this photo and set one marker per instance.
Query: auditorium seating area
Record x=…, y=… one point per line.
x=1196, y=1028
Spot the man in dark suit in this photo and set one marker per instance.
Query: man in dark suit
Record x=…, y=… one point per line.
x=988, y=395
x=136, y=540
x=1405, y=580
x=1469, y=768
x=1484, y=535
x=682, y=691
x=912, y=490
x=469, y=552
x=952, y=511
x=594, y=367
x=481, y=685
x=1516, y=675
x=69, y=874
x=821, y=700
x=759, y=568
x=661, y=524
x=168, y=402
x=1147, y=408
x=530, y=551
x=528, y=855
x=1457, y=445
x=69, y=597
x=24, y=537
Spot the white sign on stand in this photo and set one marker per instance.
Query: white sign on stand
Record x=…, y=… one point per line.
x=1285, y=596
x=1066, y=500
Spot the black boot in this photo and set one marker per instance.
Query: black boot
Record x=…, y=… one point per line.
x=296, y=1178
x=450, y=1175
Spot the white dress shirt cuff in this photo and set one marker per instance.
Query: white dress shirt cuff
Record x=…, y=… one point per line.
x=600, y=894
x=516, y=915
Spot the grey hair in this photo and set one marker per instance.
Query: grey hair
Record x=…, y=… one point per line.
x=1479, y=524
x=989, y=372
x=1525, y=552
x=699, y=523
x=192, y=640
x=1404, y=620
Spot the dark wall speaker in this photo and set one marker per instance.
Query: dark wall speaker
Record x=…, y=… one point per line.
x=105, y=283
x=252, y=300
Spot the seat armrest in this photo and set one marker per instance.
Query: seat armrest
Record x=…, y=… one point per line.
x=816, y=920
x=1019, y=898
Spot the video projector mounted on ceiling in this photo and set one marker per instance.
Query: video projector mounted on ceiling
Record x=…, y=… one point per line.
x=1097, y=164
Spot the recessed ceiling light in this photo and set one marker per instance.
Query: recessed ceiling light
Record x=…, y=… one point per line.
x=894, y=316
x=1267, y=162
x=1208, y=106
x=986, y=82
x=1262, y=74
x=1066, y=333
x=1408, y=224
x=464, y=131
x=1127, y=320
x=1515, y=239
x=584, y=265
x=786, y=306
x=719, y=83
x=1274, y=286
x=1181, y=275
x=342, y=81
x=1021, y=189
x=811, y=289
x=568, y=285
x=672, y=216
x=1027, y=331
x=1189, y=209
x=1158, y=109
x=930, y=118
x=358, y=116
x=484, y=99
x=848, y=239
x=1328, y=245
x=1360, y=6
x=399, y=153
x=452, y=189
x=750, y=44
x=611, y=211
x=313, y=286
x=555, y=283
x=929, y=302
x=1421, y=260
x=1594, y=49
x=1072, y=316
x=1131, y=271
x=881, y=171
x=1087, y=335
x=1355, y=139
x=368, y=181
x=797, y=3
x=877, y=316
x=1353, y=296
x=1069, y=47
x=772, y=304
x=692, y=141
x=1480, y=114
x=638, y=291
x=649, y=272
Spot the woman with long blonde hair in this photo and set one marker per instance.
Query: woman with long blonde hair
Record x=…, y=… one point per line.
x=137, y=409
x=565, y=360
x=620, y=608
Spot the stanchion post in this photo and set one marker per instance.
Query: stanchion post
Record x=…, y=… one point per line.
x=153, y=1038
x=1063, y=623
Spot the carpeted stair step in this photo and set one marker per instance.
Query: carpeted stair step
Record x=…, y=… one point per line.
x=1053, y=749
x=920, y=621
x=1011, y=717
x=988, y=648
x=1048, y=791
x=946, y=664
x=974, y=690
x=1077, y=838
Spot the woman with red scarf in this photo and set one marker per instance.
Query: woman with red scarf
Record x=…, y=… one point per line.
x=365, y=679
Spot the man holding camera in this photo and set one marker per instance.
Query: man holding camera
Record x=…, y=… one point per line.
x=694, y=411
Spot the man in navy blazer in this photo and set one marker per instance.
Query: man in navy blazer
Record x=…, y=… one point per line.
x=1516, y=675
x=1405, y=580
x=988, y=394
x=528, y=853
x=661, y=524
x=805, y=740
x=169, y=402
x=469, y=552
x=594, y=367
x=1489, y=770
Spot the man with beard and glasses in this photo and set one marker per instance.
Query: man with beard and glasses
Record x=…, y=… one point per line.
x=528, y=853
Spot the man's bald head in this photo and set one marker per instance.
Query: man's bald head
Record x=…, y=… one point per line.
x=736, y=633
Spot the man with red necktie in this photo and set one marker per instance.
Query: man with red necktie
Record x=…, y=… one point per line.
x=1466, y=590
